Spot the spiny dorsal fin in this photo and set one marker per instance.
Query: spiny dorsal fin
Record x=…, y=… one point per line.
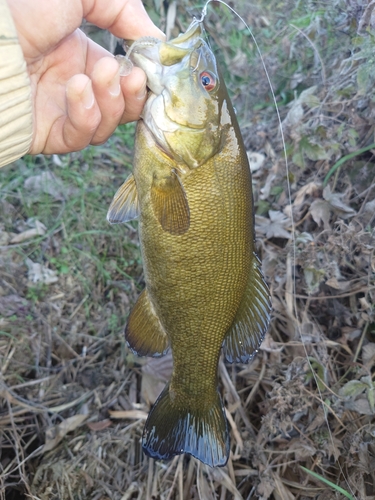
x=172, y=428
x=144, y=333
x=251, y=321
x=125, y=204
x=170, y=203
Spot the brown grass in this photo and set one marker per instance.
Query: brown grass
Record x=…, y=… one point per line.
x=74, y=400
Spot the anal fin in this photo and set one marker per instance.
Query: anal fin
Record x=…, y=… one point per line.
x=251, y=321
x=144, y=332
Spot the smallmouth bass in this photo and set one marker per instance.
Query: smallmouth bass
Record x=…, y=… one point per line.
x=191, y=189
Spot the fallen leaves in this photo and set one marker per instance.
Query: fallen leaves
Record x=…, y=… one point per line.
x=41, y=274
x=353, y=391
x=99, y=426
x=306, y=98
x=256, y=160
x=56, y=433
x=156, y=372
x=277, y=226
x=39, y=229
x=13, y=304
x=130, y=414
x=321, y=210
x=46, y=183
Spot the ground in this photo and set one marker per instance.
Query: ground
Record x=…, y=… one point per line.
x=74, y=399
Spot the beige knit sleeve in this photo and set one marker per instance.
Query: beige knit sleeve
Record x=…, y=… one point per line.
x=15, y=93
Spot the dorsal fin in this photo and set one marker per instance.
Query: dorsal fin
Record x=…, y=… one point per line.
x=251, y=321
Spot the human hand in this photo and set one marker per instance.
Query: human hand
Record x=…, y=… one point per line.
x=78, y=95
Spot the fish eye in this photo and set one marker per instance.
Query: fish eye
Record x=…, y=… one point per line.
x=208, y=80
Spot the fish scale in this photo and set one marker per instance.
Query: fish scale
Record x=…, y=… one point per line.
x=191, y=189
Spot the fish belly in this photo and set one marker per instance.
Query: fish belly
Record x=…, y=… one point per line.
x=196, y=280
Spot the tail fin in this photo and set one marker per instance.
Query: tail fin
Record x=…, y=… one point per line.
x=171, y=430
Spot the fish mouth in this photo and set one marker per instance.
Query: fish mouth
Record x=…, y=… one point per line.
x=152, y=55
x=163, y=62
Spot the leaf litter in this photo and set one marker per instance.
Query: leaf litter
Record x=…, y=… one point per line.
x=74, y=399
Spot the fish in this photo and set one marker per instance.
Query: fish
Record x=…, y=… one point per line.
x=205, y=292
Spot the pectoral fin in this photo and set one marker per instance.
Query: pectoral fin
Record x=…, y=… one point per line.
x=144, y=332
x=251, y=321
x=170, y=204
x=125, y=205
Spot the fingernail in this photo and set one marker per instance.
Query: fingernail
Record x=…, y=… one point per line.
x=114, y=87
x=87, y=96
x=141, y=94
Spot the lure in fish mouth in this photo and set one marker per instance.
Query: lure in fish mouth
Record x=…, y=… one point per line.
x=205, y=292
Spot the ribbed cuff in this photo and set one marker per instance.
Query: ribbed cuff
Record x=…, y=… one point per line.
x=15, y=93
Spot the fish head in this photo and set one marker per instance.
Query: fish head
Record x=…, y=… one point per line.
x=183, y=109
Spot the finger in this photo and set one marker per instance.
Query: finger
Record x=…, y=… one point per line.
x=36, y=40
x=109, y=97
x=83, y=114
x=124, y=18
x=135, y=92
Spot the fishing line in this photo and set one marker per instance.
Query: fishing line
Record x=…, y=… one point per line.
x=289, y=191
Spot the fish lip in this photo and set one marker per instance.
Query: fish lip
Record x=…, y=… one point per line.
x=196, y=28
x=190, y=40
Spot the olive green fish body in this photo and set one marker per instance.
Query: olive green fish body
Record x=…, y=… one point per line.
x=191, y=188
x=196, y=280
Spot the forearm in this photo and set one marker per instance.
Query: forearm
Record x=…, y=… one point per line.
x=15, y=93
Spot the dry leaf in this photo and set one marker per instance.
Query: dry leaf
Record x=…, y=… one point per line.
x=295, y=115
x=13, y=304
x=256, y=160
x=47, y=183
x=360, y=405
x=275, y=226
x=368, y=212
x=99, y=426
x=338, y=285
x=156, y=373
x=336, y=203
x=296, y=112
x=308, y=189
x=320, y=212
x=4, y=238
x=365, y=305
x=265, y=487
x=368, y=355
x=131, y=414
x=56, y=433
x=40, y=274
x=38, y=230
x=266, y=189
x=269, y=345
